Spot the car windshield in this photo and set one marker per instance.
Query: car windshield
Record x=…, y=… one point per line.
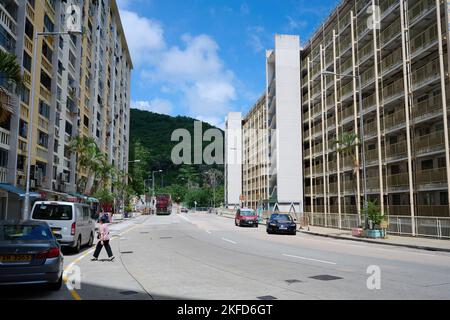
x=247, y=213
x=52, y=212
x=24, y=232
x=282, y=217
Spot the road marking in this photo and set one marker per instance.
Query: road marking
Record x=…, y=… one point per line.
x=309, y=259
x=73, y=292
x=207, y=231
x=230, y=241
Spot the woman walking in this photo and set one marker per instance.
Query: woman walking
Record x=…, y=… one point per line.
x=103, y=237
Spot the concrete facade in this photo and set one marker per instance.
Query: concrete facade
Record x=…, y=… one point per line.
x=233, y=159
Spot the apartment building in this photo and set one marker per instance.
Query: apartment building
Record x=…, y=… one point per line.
x=255, y=156
x=233, y=160
x=402, y=62
x=82, y=88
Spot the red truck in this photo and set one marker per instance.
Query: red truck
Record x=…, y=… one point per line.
x=163, y=204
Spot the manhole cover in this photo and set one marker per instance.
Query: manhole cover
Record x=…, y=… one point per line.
x=126, y=252
x=325, y=277
x=292, y=281
x=267, y=298
x=128, y=293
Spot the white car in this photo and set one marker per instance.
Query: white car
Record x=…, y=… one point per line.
x=71, y=223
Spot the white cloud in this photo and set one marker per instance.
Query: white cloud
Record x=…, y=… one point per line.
x=214, y=121
x=156, y=105
x=191, y=72
x=144, y=36
x=295, y=24
x=254, y=39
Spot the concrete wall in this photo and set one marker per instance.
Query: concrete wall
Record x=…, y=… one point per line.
x=233, y=159
x=288, y=122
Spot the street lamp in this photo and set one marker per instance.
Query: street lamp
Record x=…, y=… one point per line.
x=358, y=77
x=72, y=30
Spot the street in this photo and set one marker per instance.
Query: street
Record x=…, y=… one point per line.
x=204, y=256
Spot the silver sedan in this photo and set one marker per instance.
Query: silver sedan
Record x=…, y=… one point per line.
x=29, y=254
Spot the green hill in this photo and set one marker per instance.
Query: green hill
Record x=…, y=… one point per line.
x=150, y=142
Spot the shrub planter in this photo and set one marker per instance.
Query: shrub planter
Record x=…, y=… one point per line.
x=374, y=234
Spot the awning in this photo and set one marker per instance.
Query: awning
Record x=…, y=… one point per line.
x=78, y=195
x=21, y=193
x=94, y=200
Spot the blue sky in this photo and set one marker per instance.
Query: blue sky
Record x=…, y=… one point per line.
x=205, y=58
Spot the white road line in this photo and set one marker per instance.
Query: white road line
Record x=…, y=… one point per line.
x=309, y=259
x=230, y=241
x=207, y=231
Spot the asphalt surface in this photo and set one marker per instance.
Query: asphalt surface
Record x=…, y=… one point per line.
x=204, y=256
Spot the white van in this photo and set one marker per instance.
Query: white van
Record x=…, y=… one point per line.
x=70, y=222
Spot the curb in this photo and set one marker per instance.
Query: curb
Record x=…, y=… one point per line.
x=411, y=246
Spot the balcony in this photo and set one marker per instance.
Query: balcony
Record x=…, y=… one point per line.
x=390, y=33
x=432, y=210
x=394, y=120
x=421, y=7
x=424, y=39
x=370, y=128
x=427, y=108
x=429, y=143
x=396, y=150
x=373, y=184
x=4, y=139
x=425, y=74
x=393, y=91
x=398, y=181
x=41, y=153
x=432, y=178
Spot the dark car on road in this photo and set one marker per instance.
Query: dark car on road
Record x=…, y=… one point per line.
x=184, y=210
x=246, y=217
x=281, y=223
x=29, y=254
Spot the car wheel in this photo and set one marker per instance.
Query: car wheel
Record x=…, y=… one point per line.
x=268, y=231
x=256, y=225
x=77, y=247
x=91, y=240
x=235, y=223
x=56, y=286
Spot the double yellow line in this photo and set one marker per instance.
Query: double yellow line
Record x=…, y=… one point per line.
x=72, y=291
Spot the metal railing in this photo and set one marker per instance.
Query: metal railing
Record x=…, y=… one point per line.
x=3, y=175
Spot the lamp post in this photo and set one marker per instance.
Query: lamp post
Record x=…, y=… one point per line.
x=363, y=152
x=72, y=30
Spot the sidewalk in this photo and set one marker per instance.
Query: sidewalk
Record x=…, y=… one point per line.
x=391, y=240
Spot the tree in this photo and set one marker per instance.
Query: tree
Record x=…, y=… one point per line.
x=138, y=170
x=10, y=75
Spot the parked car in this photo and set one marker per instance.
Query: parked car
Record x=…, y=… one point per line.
x=29, y=254
x=184, y=210
x=246, y=217
x=71, y=223
x=281, y=223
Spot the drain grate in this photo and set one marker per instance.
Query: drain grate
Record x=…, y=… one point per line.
x=128, y=293
x=144, y=232
x=165, y=237
x=126, y=252
x=266, y=298
x=292, y=281
x=325, y=277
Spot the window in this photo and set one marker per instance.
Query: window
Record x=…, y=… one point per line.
x=61, y=43
x=44, y=109
x=68, y=128
x=46, y=51
x=42, y=139
x=29, y=29
x=3, y=158
x=60, y=68
x=26, y=61
x=46, y=80
x=427, y=164
x=49, y=26
x=23, y=128
x=21, y=162
x=25, y=95
x=55, y=146
x=67, y=152
x=86, y=121
x=72, y=58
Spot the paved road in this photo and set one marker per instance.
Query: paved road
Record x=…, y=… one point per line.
x=201, y=256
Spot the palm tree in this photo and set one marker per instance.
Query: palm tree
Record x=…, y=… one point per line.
x=346, y=144
x=10, y=75
x=86, y=151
